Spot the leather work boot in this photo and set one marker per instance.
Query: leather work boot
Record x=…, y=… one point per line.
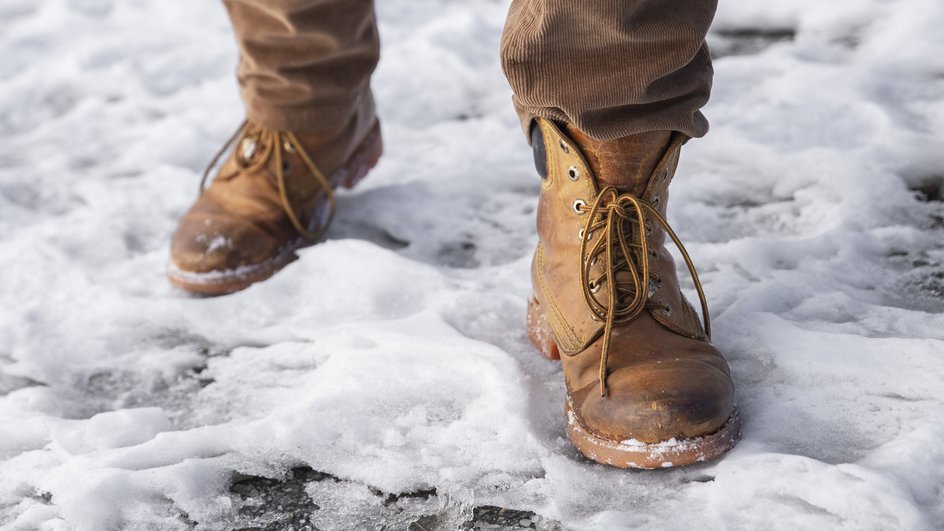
x=272, y=196
x=645, y=387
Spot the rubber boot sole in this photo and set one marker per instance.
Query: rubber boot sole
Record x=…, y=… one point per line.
x=213, y=283
x=631, y=453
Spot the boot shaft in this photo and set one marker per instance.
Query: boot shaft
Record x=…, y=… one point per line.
x=571, y=165
x=626, y=163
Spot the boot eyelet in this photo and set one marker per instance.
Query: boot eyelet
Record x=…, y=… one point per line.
x=648, y=228
x=655, y=200
x=564, y=147
x=288, y=146
x=286, y=166
x=573, y=173
x=578, y=206
x=580, y=234
x=653, y=254
x=247, y=148
x=594, y=288
x=665, y=174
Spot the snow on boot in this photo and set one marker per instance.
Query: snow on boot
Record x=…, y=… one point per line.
x=272, y=196
x=645, y=387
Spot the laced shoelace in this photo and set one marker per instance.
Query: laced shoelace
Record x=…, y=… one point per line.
x=624, y=248
x=273, y=143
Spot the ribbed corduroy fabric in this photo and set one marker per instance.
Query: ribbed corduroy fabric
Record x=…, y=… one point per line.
x=610, y=67
x=305, y=65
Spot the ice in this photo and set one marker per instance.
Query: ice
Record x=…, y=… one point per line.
x=385, y=377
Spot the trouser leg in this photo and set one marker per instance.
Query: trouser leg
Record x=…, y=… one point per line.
x=612, y=68
x=305, y=65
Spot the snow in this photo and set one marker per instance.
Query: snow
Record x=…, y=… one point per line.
x=393, y=357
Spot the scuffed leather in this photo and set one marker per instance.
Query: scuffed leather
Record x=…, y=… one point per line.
x=665, y=379
x=239, y=220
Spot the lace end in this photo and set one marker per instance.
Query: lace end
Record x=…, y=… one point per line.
x=603, y=388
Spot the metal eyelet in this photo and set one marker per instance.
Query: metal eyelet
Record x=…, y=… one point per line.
x=594, y=288
x=248, y=148
x=288, y=146
x=655, y=200
x=580, y=234
x=665, y=174
x=286, y=166
x=648, y=228
x=573, y=173
x=578, y=206
x=653, y=254
x=564, y=147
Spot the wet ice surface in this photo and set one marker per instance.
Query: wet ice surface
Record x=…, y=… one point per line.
x=385, y=379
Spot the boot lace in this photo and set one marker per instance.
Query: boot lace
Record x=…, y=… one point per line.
x=623, y=248
x=274, y=144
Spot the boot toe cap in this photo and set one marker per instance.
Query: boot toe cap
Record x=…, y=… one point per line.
x=671, y=400
x=218, y=247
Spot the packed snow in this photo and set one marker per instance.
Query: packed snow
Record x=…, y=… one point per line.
x=385, y=379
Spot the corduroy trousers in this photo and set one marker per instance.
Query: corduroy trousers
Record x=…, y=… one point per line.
x=610, y=67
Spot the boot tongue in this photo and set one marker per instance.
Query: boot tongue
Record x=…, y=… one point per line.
x=626, y=163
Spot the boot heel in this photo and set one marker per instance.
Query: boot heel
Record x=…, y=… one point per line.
x=364, y=159
x=539, y=331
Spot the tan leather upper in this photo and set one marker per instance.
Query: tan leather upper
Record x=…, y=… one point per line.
x=240, y=219
x=663, y=378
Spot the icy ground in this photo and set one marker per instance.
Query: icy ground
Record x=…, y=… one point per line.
x=384, y=380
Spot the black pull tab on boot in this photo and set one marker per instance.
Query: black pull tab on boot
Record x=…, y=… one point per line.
x=539, y=149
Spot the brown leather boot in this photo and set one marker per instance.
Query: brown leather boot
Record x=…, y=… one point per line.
x=273, y=195
x=645, y=388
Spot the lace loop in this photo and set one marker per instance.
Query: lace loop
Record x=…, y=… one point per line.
x=623, y=248
x=273, y=144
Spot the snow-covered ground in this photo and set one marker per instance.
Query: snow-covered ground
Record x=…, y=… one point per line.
x=385, y=379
